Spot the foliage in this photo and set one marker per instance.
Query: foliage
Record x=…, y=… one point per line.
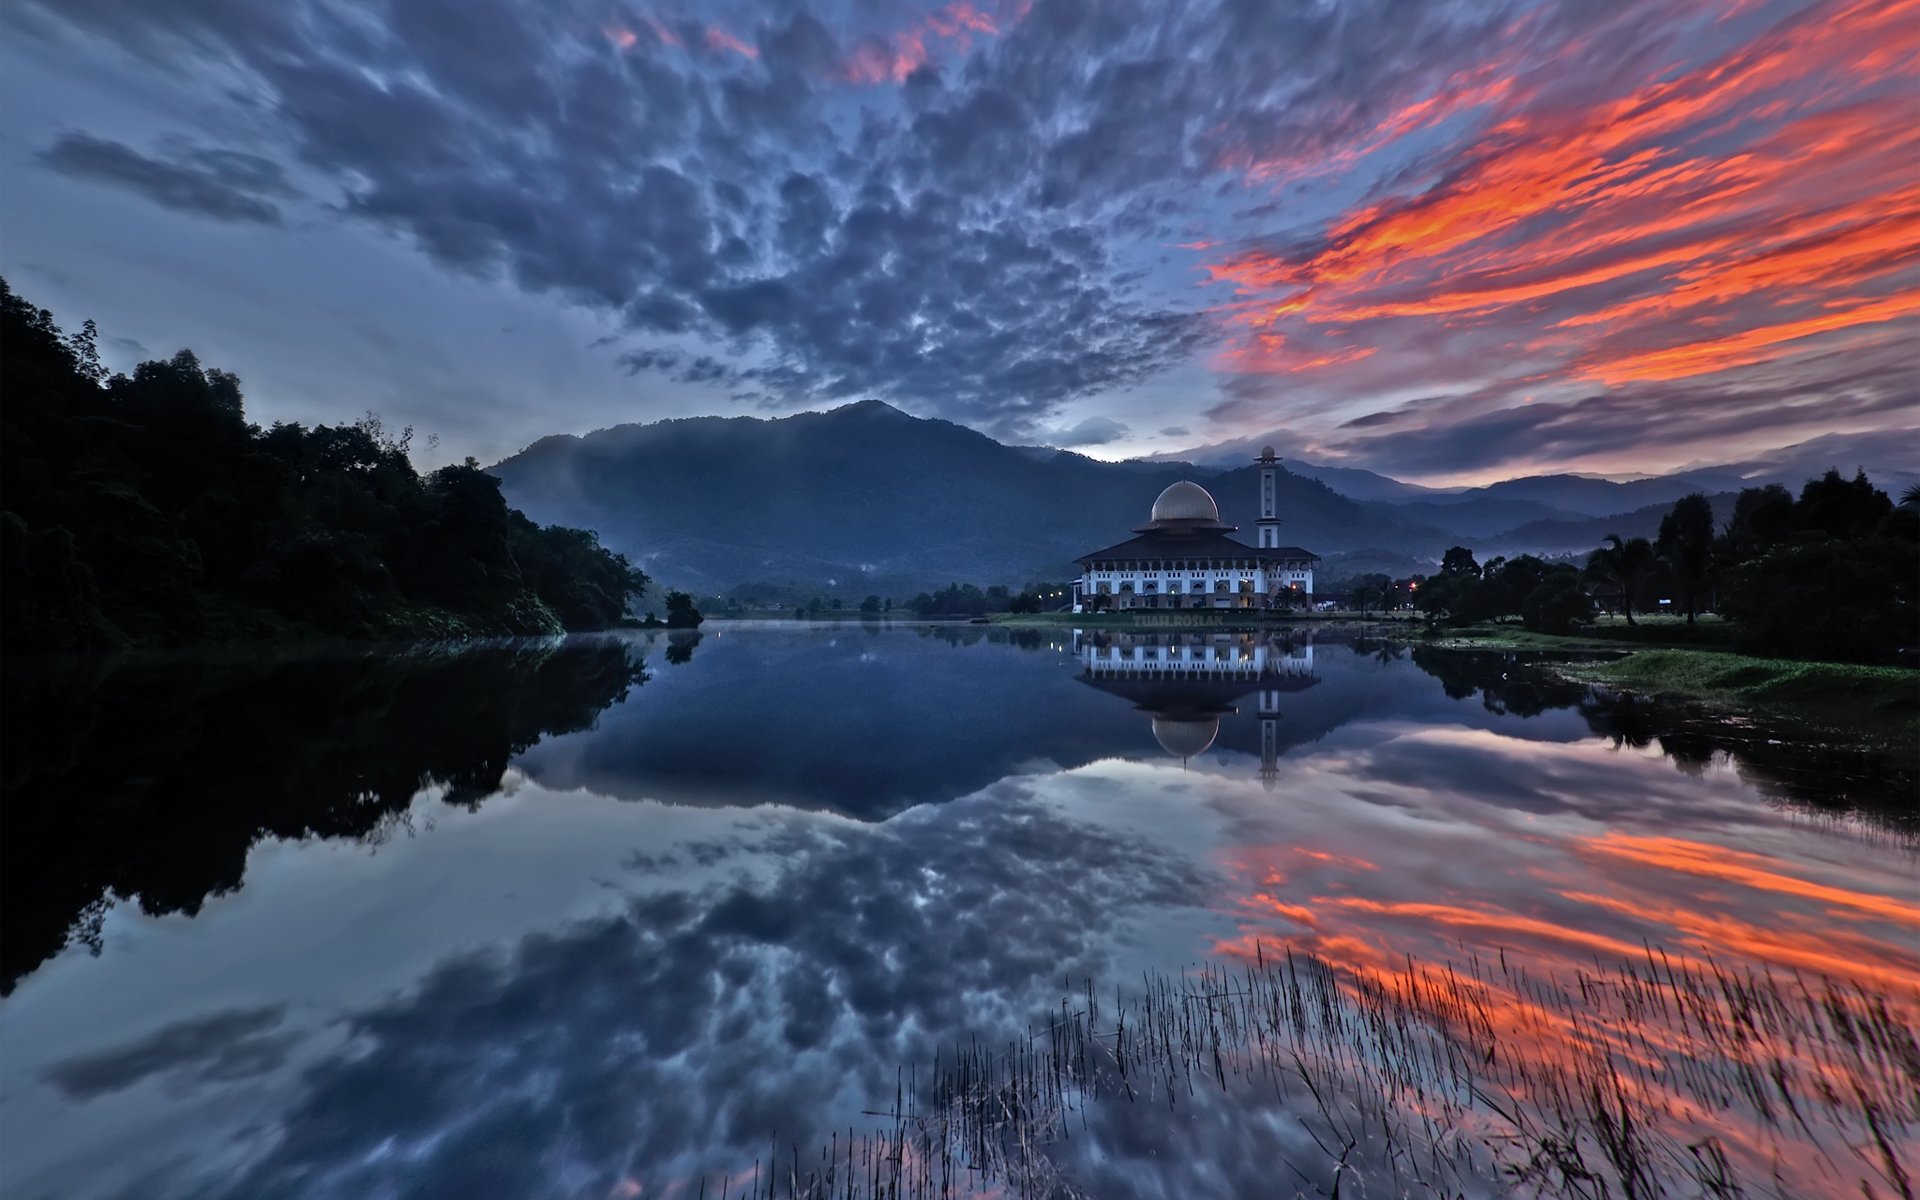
x=1626, y=563
x=953, y=600
x=1825, y=597
x=1686, y=547
x=1546, y=596
x=681, y=614
x=145, y=507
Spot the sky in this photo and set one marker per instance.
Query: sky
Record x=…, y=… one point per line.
x=1451, y=242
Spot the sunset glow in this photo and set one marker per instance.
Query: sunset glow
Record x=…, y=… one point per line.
x=1515, y=237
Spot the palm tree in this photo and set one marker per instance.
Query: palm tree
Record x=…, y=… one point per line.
x=1623, y=563
x=1911, y=495
x=1686, y=546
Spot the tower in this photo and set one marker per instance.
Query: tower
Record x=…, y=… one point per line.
x=1269, y=523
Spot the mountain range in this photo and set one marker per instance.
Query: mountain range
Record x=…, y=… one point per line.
x=867, y=499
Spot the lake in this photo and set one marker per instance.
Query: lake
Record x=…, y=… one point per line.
x=946, y=909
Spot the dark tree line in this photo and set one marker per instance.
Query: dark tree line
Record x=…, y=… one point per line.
x=1544, y=595
x=145, y=507
x=1832, y=573
x=969, y=600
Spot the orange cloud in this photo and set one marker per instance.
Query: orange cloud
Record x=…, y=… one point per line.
x=892, y=57
x=720, y=39
x=1707, y=219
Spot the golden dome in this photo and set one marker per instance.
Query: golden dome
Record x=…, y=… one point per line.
x=1185, y=501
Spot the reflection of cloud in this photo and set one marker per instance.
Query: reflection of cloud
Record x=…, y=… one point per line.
x=218, y=1048
x=1565, y=858
x=685, y=1033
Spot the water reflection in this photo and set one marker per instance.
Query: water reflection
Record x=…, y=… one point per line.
x=1186, y=684
x=728, y=905
x=152, y=778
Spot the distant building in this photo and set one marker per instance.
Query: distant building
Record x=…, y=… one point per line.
x=1183, y=558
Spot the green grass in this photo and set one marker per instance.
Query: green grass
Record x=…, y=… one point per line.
x=1877, y=701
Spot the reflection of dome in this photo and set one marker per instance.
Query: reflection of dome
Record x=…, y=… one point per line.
x=1185, y=501
x=1186, y=737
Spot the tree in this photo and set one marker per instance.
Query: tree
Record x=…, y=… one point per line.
x=1458, y=561
x=681, y=614
x=148, y=510
x=1853, y=599
x=1763, y=517
x=86, y=352
x=1843, y=508
x=1625, y=563
x=870, y=607
x=1686, y=546
x=1557, y=602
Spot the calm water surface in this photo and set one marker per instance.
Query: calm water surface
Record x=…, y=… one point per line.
x=608, y=916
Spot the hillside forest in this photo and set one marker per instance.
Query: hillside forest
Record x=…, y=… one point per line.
x=146, y=509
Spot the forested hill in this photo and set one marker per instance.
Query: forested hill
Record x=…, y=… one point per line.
x=879, y=501
x=147, y=509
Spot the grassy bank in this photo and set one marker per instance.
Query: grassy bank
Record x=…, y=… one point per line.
x=1882, y=702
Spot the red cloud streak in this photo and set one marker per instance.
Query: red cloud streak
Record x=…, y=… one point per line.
x=1719, y=215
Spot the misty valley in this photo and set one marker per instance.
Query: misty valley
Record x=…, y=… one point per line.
x=925, y=909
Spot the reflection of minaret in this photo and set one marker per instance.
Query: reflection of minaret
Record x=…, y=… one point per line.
x=1269, y=738
x=1269, y=523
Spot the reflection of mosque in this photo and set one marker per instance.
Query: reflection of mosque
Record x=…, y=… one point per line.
x=1186, y=683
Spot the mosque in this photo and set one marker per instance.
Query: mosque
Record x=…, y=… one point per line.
x=1183, y=558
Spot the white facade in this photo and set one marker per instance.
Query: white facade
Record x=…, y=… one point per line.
x=1193, y=583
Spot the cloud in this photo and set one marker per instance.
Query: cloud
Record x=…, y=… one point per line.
x=226, y=185
x=986, y=211
x=1871, y=387
x=1094, y=431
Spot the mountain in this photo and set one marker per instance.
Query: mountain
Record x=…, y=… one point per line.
x=1578, y=534
x=1887, y=457
x=1594, y=497
x=865, y=498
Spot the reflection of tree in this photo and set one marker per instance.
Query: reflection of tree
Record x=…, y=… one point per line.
x=680, y=647
x=153, y=778
x=1782, y=761
x=1505, y=682
x=1384, y=650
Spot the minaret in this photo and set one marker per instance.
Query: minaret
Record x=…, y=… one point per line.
x=1269, y=523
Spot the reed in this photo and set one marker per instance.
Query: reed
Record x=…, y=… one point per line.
x=1646, y=1079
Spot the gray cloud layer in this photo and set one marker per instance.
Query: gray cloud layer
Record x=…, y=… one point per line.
x=950, y=245
x=226, y=185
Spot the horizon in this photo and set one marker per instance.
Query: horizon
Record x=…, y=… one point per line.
x=1466, y=245
x=1091, y=452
